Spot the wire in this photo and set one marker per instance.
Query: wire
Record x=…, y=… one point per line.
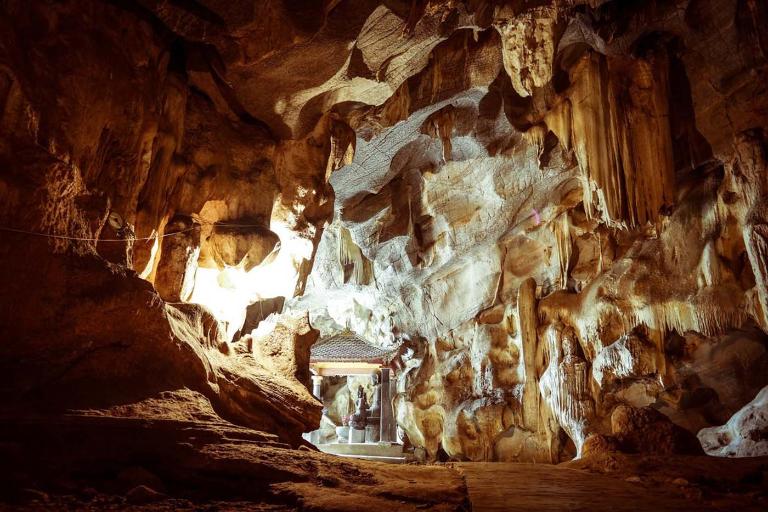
x=229, y=224
x=146, y=238
x=234, y=225
x=85, y=239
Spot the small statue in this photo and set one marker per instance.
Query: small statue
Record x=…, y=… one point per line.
x=375, y=410
x=357, y=420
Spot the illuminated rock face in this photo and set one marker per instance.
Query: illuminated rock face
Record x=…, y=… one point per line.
x=568, y=230
x=559, y=209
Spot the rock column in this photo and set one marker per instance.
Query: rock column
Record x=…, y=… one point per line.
x=317, y=386
x=526, y=311
x=387, y=424
x=176, y=270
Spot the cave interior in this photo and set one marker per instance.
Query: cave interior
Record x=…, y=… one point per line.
x=333, y=255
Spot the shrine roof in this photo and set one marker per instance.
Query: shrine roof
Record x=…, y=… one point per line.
x=347, y=346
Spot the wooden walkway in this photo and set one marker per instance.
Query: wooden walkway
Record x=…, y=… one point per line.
x=511, y=487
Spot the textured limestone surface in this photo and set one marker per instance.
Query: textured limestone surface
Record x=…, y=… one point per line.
x=560, y=225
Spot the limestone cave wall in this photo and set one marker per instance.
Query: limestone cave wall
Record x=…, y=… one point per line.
x=560, y=217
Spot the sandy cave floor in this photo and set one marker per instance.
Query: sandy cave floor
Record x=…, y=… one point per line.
x=508, y=487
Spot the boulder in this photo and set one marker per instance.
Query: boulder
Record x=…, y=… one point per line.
x=142, y=495
x=745, y=434
x=646, y=430
x=284, y=345
x=239, y=243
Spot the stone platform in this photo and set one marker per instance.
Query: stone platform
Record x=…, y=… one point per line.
x=381, y=452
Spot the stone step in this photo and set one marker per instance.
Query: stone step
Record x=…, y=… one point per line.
x=363, y=449
x=376, y=458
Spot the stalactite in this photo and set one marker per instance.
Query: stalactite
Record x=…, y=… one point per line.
x=559, y=120
x=641, y=112
x=709, y=267
x=528, y=43
x=440, y=125
x=535, y=136
x=355, y=266
x=756, y=238
x=707, y=317
x=748, y=173
x=342, y=150
x=621, y=136
x=561, y=228
x=591, y=131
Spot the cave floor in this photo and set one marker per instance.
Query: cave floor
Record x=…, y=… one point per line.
x=620, y=482
x=103, y=462
x=512, y=487
x=508, y=487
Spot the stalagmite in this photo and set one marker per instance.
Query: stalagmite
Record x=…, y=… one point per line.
x=564, y=385
x=528, y=319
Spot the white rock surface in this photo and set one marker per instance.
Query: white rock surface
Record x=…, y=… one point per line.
x=745, y=434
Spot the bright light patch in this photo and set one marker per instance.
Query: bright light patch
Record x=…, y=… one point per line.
x=144, y=274
x=227, y=293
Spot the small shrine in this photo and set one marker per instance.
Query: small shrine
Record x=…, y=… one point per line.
x=354, y=380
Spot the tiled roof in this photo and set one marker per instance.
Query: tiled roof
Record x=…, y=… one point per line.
x=348, y=347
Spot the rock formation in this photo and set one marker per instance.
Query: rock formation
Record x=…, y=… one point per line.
x=580, y=151
x=558, y=210
x=743, y=435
